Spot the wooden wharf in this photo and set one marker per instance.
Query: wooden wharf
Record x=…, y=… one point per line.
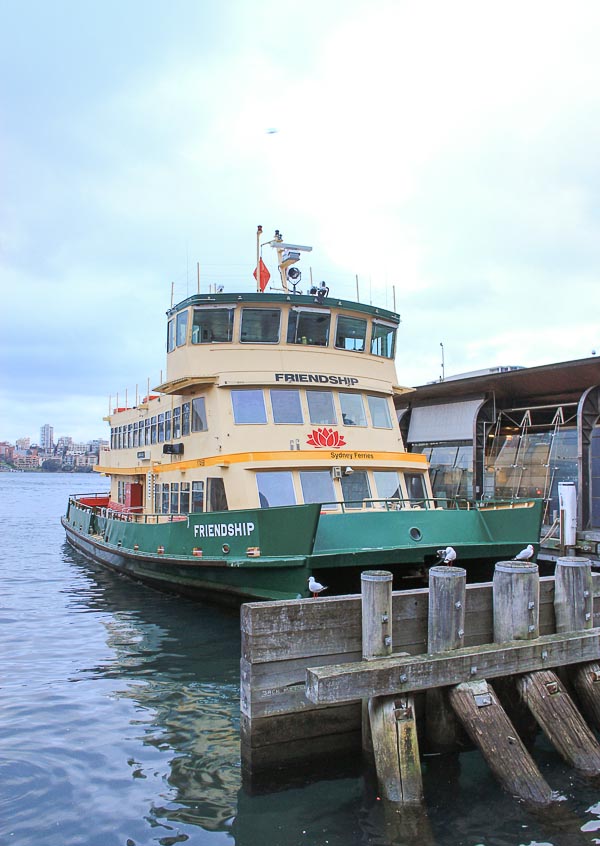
x=425, y=669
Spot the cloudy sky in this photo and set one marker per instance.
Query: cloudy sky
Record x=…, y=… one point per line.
x=444, y=153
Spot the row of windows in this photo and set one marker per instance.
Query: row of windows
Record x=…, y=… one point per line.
x=189, y=417
x=310, y=326
x=286, y=407
x=277, y=488
x=249, y=407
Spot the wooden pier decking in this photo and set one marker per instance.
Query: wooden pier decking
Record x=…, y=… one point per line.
x=396, y=672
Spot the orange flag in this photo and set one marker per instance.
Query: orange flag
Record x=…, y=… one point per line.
x=264, y=275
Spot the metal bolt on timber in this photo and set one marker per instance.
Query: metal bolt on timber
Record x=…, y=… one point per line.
x=445, y=631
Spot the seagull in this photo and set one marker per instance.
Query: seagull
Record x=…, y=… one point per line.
x=447, y=555
x=314, y=587
x=524, y=554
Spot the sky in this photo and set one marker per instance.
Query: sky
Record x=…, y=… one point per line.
x=445, y=155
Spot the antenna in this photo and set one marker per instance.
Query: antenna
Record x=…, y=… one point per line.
x=443, y=365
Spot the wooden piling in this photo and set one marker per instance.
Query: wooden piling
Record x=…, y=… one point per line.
x=446, y=631
x=392, y=724
x=573, y=594
x=516, y=597
x=586, y=680
x=489, y=727
x=560, y=720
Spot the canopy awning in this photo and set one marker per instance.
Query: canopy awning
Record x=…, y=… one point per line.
x=452, y=421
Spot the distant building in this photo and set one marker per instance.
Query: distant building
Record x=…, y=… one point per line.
x=47, y=438
x=6, y=451
x=23, y=444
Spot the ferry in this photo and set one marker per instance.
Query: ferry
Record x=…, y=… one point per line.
x=272, y=453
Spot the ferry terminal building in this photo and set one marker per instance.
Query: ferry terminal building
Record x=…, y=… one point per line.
x=515, y=432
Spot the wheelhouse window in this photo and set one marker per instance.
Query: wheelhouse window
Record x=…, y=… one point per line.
x=383, y=339
x=353, y=410
x=320, y=407
x=387, y=483
x=350, y=333
x=167, y=425
x=380, y=412
x=275, y=488
x=317, y=486
x=171, y=335
x=147, y=432
x=355, y=489
x=185, y=418
x=286, y=406
x=153, y=430
x=161, y=428
x=248, y=406
x=197, y=497
x=181, y=328
x=199, y=422
x=212, y=325
x=260, y=325
x=308, y=326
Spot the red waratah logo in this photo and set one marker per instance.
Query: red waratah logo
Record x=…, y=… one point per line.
x=325, y=438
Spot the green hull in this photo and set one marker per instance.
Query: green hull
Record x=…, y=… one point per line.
x=269, y=553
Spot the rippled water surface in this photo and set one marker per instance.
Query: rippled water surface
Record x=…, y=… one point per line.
x=119, y=721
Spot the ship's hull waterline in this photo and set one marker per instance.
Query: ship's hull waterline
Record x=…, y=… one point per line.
x=268, y=554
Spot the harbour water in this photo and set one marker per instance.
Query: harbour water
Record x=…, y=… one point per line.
x=119, y=722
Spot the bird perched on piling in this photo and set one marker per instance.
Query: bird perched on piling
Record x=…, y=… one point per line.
x=315, y=587
x=447, y=555
x=524, y=554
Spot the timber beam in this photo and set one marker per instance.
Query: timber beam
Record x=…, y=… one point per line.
x=363, y=679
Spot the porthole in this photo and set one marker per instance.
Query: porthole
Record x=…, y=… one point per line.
x=225, y=548
x=415, y=534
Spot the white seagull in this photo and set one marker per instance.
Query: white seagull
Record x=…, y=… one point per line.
x=315, y=587
x=524, y=554
x=447, y=555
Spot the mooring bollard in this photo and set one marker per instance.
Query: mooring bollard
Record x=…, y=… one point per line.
x=393, y=728
x=445, y=631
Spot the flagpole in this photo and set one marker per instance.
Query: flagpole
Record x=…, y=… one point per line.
x=258, y=234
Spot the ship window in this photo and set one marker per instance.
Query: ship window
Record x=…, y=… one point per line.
x=355, y=489
x=383, y=339
x=165, y=498
x=308, y=327
x=286, y=406
x=181, y=329
x=212, y=325
x=153, y=430
x=174, y=497
x=167, y=425
x=130, y=435
x=317, y=486
x=157, y=496
x=320, y=407
x=185, y=418
x=171, y=335
x=351, y=333
x=177, y=422
x=380, y=412
x=387, y=483
x=197, y=497
x=199, y=423
x=275, y=488
x=136, y=433
x=216, y=498
x=260, y=325
x=416, y=488
x=248, y=406
x=353, y=410
x=184, y=498
x=147, y=432
x=161, y=428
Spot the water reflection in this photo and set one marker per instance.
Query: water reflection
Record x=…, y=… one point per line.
x=180, y=661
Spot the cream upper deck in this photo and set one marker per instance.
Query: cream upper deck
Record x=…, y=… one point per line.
x=261, y=382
